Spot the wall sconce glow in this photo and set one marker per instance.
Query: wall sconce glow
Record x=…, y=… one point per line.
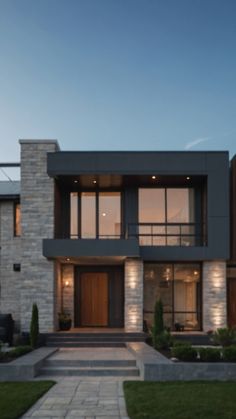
x=67, y=283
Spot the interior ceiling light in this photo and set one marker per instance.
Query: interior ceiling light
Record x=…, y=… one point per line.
x=104, y=214
x=94, y=181
x=188, y=177
x=68, y=259
x=153, y=177
x=195, y=272
x=75, y=181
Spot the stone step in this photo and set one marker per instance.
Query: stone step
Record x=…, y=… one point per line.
x=103, y=334
x=89, y=363
x=90, y=372
x=73, y=344
x=94, y=339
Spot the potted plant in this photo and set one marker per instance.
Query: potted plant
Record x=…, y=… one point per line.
x=64, y=320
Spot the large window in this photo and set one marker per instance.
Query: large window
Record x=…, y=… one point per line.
x=95, y=215
x=166, y=216
x=178, y=286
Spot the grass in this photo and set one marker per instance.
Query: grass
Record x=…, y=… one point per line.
x=181, y=400
x=17, y=397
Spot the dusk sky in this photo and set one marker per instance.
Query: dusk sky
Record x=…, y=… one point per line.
x=118, y=74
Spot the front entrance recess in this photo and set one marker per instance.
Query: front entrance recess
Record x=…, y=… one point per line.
x=231, y=302
x=94, y=299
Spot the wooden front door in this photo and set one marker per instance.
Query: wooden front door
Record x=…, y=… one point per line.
x=232, y=302
x=94, y=298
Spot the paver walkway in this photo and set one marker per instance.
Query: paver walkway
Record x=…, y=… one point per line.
x=87, y=398
x=84, y=397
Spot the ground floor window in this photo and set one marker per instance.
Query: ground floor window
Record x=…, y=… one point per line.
x=179, y=287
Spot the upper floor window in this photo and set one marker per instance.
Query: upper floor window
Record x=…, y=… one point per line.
x=166, y=216
x=95, y=215
x=17, y=220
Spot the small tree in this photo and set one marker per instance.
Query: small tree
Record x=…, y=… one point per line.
x=34, y=326
x=158, y=327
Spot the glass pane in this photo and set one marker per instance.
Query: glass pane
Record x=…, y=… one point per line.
x=74, y=215
x=88, y=215
x=158, y=284
x=180, y=205
x=17, y=220
x=186, y=280
x=151, y=205
x=109, y=215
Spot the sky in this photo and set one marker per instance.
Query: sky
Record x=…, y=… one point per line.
x=118, y=74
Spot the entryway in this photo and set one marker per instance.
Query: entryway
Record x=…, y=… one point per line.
x=231, y=290
x=99, y=296
x=94, y=298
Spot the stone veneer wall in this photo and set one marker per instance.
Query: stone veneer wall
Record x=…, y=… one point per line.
x=37, y=220
x=133, y=295
x=68, y=291
x=10, y=253
x=214, y=295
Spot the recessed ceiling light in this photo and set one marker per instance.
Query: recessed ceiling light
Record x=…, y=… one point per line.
x=153, y=177
x=68, y=259
x=188, y=178
x=75, y=181
x=94, y=181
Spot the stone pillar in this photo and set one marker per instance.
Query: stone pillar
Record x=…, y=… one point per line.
x=133, y=295
x=67, y=291
x=214, y=295
x=37, y=209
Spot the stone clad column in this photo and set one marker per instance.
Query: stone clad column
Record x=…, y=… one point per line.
x=133, y=295
x=37, y=220
x=214, y=295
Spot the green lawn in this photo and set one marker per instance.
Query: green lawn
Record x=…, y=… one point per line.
x=181, y=400
x=17, y=397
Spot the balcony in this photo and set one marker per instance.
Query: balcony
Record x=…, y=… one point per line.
x=168, y=234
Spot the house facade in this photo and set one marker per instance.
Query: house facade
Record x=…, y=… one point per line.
x=103, y=235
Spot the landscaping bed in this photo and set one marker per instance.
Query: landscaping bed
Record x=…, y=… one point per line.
x=16, y=398
x=10, y=355
x=180, y=400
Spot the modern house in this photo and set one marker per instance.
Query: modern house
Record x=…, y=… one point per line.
x=103, y=235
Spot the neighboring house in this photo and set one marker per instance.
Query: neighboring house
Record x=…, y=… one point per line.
x=103, y=235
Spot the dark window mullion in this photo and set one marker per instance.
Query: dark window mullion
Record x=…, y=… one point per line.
x=97, y=214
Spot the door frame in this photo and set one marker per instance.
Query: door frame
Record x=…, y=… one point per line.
x=109, y=270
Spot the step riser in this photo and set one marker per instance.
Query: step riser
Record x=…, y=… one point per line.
x=58, y=340
x=90, y=364
x=86, y=345
x=103, y=335
x=90, y=373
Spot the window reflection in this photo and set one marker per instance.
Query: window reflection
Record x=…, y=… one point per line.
x=178, y=286
x=109, y=214
x=88, y=215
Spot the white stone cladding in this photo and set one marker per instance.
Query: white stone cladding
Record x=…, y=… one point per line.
x=37, y=220
x=67, y=301
x=133, y=295
x=10, y=253
x=214, y=295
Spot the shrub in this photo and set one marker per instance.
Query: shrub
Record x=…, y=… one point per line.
x=184, y=353
x=158, y=327
x=34, y=326
x=164, y=340
x=229, y=354
x=224, y=336
x=210, y=354
x=19, y=351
